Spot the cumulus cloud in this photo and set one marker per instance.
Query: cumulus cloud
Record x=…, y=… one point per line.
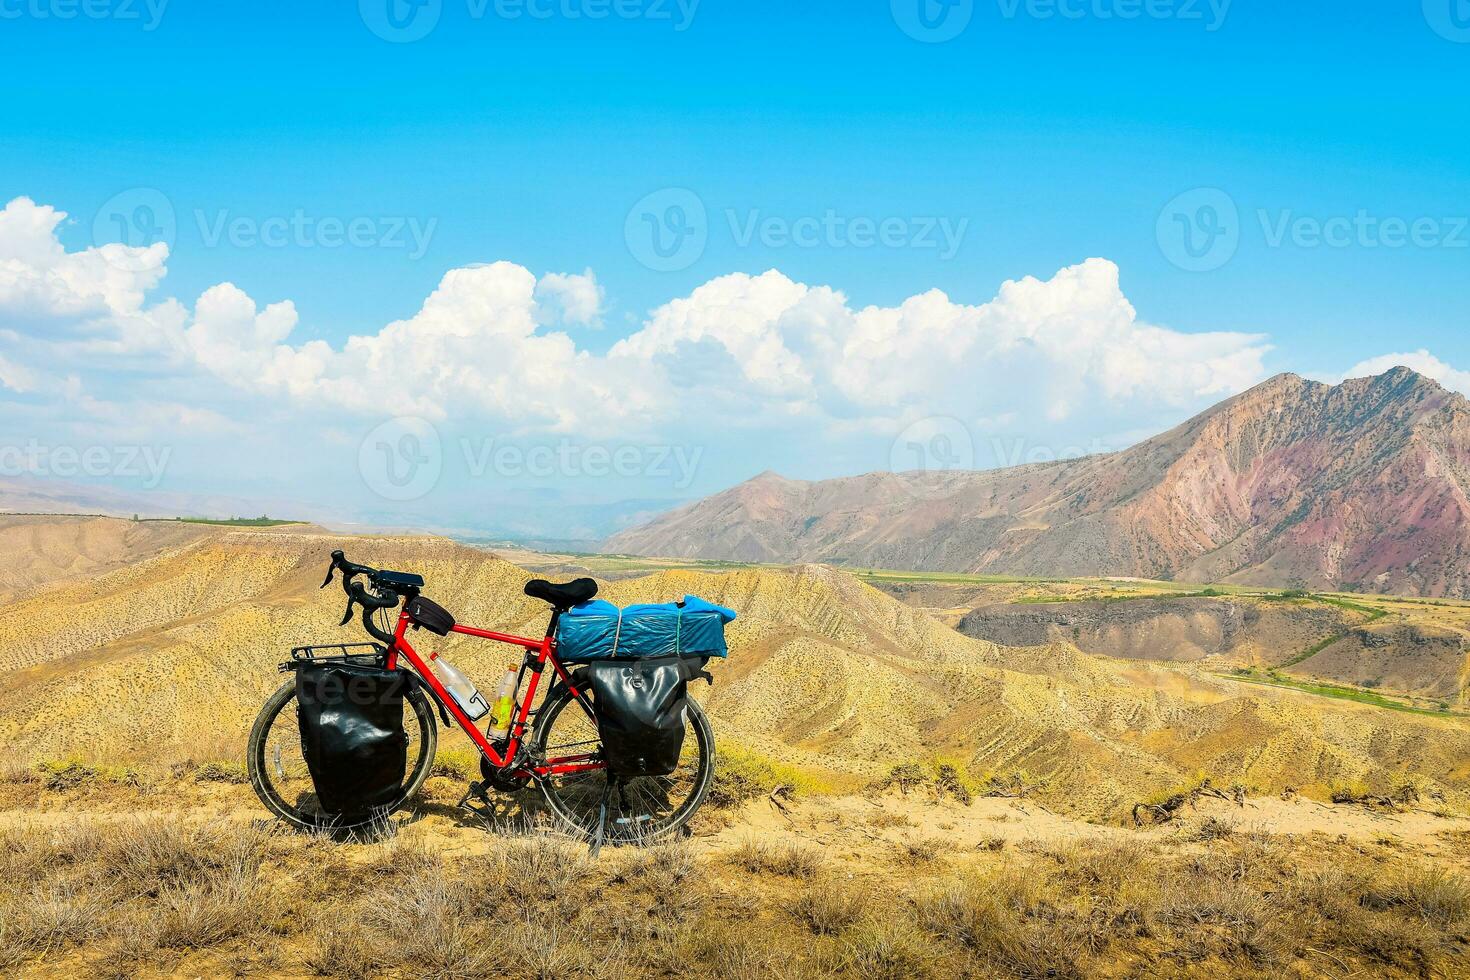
x=38, y=276
x=760, y=352
x=15, y=377
x=1060, y=346
x=1420, y=360
x=571, y=299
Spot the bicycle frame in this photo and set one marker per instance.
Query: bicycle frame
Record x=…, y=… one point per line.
x=539, y=653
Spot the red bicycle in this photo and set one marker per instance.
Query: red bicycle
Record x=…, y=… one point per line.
x=554, y=745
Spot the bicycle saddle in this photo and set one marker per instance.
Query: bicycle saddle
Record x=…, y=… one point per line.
x=562, y=596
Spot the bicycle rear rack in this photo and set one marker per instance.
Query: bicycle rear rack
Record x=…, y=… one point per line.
x=303, y=655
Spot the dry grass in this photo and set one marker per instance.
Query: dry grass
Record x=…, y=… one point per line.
x=112, y=897
x=828, y=907
x=921, y=851
x=145, y=887
x=884, y=819
x=884, y=950
x=789, y=858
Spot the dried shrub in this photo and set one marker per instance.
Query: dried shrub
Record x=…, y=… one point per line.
x=829, y=907
x=789, y=858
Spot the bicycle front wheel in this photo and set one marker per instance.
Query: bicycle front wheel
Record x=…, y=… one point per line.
x=641, y=810
x=278, y=771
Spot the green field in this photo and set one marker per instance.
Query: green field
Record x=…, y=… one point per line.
x=231, y=522
x=1341, y=692
x=218, y=522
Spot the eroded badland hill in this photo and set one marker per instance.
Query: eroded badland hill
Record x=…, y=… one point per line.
x=895, y=798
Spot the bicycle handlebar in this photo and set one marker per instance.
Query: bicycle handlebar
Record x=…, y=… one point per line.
x=382, y=595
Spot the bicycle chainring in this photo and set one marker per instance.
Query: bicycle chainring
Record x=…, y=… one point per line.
x=501, y=779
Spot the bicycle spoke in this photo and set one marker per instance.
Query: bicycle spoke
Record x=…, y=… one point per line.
x=283, y=774
x=644, y=807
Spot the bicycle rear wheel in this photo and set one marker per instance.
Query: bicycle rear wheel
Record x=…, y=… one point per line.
x=643, y=809
x=278, y=771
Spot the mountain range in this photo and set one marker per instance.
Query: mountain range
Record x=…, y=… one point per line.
x=1294, y=483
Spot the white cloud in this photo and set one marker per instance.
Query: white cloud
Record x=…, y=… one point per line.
x=1420, y=360
x=16, y=377
x=756, y=352
x=1069, y=344
x=37, y=275
x=569, y=298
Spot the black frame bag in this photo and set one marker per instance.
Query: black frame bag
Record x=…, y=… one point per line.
x=639, y=705
x=352, y=735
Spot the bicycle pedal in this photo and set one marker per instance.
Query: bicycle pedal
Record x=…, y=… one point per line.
x=477, y=791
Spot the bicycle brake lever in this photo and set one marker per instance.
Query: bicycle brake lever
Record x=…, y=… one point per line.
x=337, y=558
x=347, y=616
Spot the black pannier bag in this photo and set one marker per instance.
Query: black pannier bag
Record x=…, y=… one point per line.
x=639, y=706
x=352, y=735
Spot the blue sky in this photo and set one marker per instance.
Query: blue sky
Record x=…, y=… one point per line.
x=551, y=134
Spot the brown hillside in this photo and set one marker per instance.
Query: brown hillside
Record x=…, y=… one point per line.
x=40, y=550
x=826, y=674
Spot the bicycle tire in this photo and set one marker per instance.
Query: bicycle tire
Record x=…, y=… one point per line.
x=581, y=819
x=257, y=763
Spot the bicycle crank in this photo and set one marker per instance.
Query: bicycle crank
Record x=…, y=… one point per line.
x=501, y=779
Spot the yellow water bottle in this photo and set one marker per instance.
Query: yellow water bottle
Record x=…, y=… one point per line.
x=505, y=704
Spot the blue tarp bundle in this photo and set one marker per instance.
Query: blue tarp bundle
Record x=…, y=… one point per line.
x=599, y=630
